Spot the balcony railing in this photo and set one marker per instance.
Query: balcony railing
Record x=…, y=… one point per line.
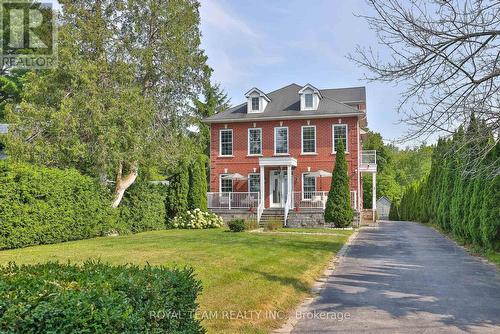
x=369, y=161
x=233, y=200
x=310, y=199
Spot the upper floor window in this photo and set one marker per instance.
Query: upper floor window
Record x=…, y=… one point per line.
x=226, y=142
x=226, y=183
x=254, y=183
x=308, y=100
x=255, y=103
x=339, y=134
x=254, y=141
x=281, y=140
x=309, y=139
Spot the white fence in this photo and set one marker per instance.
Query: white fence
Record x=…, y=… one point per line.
x=233, y=200
x=310, y=199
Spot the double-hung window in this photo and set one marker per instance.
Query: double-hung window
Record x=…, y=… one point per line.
x=308, y=100
x=308, y=186
x=226, y=184
x=254, y=141
x=339, y=134
x=254, y=183
x=226, y=142
x=281, y=140
x=255, y=104
x=309, y=139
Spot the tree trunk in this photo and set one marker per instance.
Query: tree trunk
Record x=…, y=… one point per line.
x=123, y=182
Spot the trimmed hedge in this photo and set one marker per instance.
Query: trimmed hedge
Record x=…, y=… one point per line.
x=44, y=205
x=142, y=208
x=97, y=298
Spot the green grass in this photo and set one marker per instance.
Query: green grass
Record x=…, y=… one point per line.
x=239, y=271
x=316, y=230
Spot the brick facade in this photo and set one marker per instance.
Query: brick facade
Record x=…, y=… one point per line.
x=324, y=158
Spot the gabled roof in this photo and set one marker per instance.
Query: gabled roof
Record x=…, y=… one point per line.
x=284, y=103
x=311, y=87
x=261, y=93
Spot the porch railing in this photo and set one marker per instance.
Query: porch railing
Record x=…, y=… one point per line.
x=369, y=161
x=233, y=200
x=310, y=199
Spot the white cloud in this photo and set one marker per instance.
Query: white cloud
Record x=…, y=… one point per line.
x=215, y=15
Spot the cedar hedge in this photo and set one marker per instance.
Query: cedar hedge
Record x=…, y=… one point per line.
x=44, y=205
x=97, y=298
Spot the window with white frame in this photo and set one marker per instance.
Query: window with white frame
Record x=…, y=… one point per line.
x=309, y=139
x=254, y=141
x=339, y=134
x=226, y=184
x=255, y=103
x=226, y=142
x=254, y=183
x=308, y=100
x=281, y=140
x=308, y=186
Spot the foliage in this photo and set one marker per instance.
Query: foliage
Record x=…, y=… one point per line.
x=460, y=203
x=273, y=224
x=176, y=201
x=97, y=297
x=251, y=224
x=143, y=208
x=197, y=219
x=197, y=195
x=46, y=205
x=119, y=99
x=394, y=211
x=236, y=225
x=338, y=205
x=396, y=168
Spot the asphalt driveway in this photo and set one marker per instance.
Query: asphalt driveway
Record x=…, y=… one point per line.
x=404, y=277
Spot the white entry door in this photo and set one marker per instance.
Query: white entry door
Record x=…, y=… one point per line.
x=278, y=188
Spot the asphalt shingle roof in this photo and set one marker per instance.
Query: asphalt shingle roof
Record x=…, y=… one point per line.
x=285, y=102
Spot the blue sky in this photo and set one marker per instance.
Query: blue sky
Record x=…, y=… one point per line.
x=269, y=44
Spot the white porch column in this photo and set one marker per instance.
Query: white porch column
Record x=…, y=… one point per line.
x=374, y=194
x=262, y=186
x=289, y=184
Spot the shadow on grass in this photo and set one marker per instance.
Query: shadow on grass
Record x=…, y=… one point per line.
x=297, y=284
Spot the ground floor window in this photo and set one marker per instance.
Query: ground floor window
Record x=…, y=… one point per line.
x=308, y=186
x=226, y=184
x=254, y=183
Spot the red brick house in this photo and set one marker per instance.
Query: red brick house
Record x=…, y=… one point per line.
x=273, y=155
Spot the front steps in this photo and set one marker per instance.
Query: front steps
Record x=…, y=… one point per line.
x=272, y=214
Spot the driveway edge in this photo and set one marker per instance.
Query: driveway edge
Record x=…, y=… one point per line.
x=318, y=285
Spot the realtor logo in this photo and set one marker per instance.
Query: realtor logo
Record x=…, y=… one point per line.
x=28, y=36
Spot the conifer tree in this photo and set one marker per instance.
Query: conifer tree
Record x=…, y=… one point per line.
x=338, y=206
x=197, y=196
x=177, y=193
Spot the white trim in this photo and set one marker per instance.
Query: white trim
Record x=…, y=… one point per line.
x=277, y=118
x=334, y=151
x=220, y=182
x=220, y=143
x=281, y=185
x=302, y=140
x=287, y=140
x=248, y=142
x=248, y=183
x=302, y=185
x=277, y=161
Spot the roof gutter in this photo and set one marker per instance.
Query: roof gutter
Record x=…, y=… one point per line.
x=278, y=118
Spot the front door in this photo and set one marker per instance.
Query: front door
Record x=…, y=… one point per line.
x=278, y=188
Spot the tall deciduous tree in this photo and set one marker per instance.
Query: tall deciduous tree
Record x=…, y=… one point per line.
x=118, y=100
x=338, y=208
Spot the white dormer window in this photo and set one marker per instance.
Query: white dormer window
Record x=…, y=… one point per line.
x=308, y=100
x=257, y=101
x=309, y=97
x=255, y=104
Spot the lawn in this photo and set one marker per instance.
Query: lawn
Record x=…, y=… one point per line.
x=316, y=230
x=240, y=272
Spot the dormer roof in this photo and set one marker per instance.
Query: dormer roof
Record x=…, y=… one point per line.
x=311, y=87
x=261, y=93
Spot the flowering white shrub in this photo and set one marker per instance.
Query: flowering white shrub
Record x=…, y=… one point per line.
x=197, y=219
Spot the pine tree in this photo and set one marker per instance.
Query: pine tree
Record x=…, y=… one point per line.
x=197, y=196
x=338, y=206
